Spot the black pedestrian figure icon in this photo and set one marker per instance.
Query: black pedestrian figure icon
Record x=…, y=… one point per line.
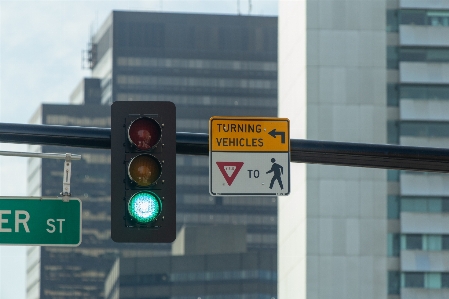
x=278, y=170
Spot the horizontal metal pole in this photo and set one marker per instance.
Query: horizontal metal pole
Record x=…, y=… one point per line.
x=307, y=151
x=40, y=155
x=56, y=135
x=192, y=143
x=370, y=155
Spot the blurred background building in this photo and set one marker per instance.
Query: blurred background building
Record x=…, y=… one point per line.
x=207, y=65
x=418, y=106
x=211, y=261
x=358, y=71
x=332, y=233
x=340, y=50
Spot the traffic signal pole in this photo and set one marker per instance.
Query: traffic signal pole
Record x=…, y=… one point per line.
x=302, y=151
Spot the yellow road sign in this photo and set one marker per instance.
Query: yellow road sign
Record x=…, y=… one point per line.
x=249, y=134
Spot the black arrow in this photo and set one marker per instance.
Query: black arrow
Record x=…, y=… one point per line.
x=273, y=134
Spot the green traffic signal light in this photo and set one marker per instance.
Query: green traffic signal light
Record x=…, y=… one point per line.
x=144, y=207
x=143, y=171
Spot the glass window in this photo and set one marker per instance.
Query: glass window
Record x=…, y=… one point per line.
x=438, y=55
x=199, y=64
x=413, y=280
x=445, y=242
x=413, y=242
x=445, y=280
x=393, y=282
x=412, y=92
x=392, y=20
x=445, y=205
x=424, y=129
x=424, y=55
x=393, y=207
x=393, y=132
x=413, y=204
x=424, y=204
x=392, y=95
x=433, y=280
x=424, y=17
x=412, y=54
x=434, y=205
x=433, y=242
x=393, y=244
x=424, y=92
x=392, y=57
x=196, y=82
x=392, y=175
x=438, y=18
x=412, y=17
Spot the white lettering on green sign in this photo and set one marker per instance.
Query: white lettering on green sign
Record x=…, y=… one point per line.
x=17, y=221
x=53, y=228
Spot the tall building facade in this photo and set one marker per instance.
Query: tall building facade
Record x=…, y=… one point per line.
x=418, y=94
x=221, y=269
x=207, y=65
x=65, y=272
x=332, y=234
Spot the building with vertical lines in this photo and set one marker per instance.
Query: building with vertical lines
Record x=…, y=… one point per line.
x=417, y=99
x=207, y=65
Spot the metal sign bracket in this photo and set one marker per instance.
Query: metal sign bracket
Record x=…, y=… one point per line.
x=66, y=178
x=67, y=167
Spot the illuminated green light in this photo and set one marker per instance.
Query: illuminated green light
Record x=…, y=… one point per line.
x=144, y=207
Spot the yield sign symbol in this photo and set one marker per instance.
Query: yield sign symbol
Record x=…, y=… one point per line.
x=229, y=170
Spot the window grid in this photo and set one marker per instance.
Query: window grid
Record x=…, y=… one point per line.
x=425, y=280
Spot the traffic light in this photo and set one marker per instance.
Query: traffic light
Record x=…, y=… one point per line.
x=143, y=172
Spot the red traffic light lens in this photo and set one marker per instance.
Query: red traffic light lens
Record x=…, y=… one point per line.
x=144, y=133
x=144, y=170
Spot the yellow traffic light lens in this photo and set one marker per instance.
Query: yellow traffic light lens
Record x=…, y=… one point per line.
x=144, y=133
x=144, y=207
x=144, y=170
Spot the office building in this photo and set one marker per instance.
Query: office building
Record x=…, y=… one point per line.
x=225, y=270
x=418, y=94
x=332, y=240
x=417, y=88
x=65, y=272
x=207, y=65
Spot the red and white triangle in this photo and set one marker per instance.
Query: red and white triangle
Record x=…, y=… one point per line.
x=229, y=170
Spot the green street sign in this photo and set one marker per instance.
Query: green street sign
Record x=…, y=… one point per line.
x=40, y=221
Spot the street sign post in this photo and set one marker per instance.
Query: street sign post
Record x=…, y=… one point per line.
x=40, y=221
x=249, y=156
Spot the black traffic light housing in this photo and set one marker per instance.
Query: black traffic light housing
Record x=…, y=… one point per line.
x=143, y=172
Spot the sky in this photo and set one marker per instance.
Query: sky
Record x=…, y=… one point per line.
x=41, y=43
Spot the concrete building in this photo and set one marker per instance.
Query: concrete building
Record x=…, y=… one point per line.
x=418, y=94
x=207, y=65
x=332, y=233
x=225, y=270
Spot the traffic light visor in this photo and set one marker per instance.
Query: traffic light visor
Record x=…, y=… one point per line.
x=144, y=170
x=144, y=207
x=144, y=133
